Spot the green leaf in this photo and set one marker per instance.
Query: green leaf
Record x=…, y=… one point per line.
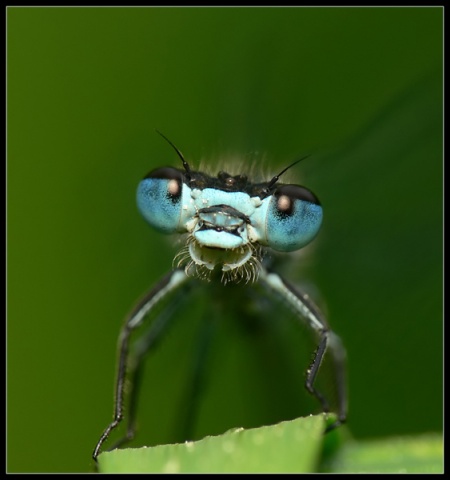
x=421, y=454
x=293, y=446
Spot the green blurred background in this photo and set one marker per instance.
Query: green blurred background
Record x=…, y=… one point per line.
x=360, y=88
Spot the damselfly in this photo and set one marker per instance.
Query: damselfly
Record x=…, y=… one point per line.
x=229, y=225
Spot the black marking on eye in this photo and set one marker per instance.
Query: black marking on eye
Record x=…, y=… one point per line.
x=168, y=173
x=174, y=179
x=286, y=196
x=297, y=192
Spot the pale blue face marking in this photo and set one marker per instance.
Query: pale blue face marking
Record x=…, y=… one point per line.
x=209, y=197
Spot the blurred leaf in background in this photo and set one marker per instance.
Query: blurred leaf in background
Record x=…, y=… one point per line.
x=359, y=88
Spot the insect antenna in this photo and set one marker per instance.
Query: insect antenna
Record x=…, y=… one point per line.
x=185, y=164
x=266, y=190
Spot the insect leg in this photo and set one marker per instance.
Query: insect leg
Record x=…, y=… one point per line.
x=329, y=343
x=136, y=367
x=168, y=284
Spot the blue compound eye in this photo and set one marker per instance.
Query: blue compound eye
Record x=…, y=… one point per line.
x=159, y=199
x=293, y=218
